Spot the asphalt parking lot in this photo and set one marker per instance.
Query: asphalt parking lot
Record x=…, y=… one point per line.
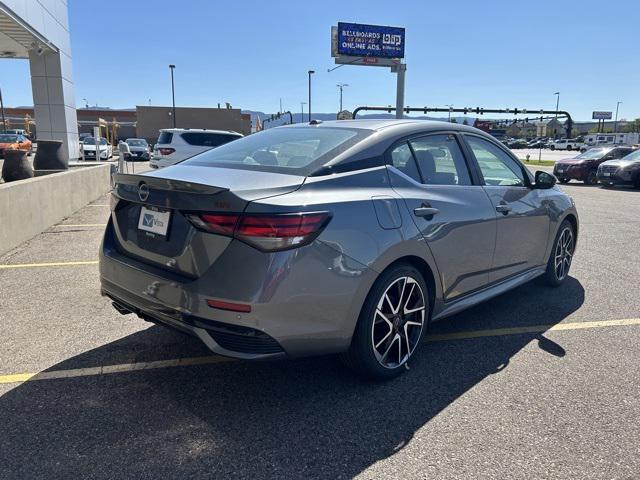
x=537, y=383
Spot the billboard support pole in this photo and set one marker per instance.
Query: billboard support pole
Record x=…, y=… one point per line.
x=400, y=70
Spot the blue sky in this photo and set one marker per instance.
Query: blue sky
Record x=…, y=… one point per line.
x=489, y=53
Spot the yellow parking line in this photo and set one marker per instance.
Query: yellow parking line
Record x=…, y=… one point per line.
x=48, y=264
x=79, y=225
x=106, y=369
x=183, y=362
x=498, y=332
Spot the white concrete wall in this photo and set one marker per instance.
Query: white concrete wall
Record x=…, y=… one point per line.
x=51, y=72
x=28, y=207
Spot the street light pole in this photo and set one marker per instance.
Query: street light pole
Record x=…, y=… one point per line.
x=4, y=124
x=341, y=86
x=310, y=72
x=555, y=135
x=173, y=95
x=302, y=104
x=615, y=123
x=450, y=107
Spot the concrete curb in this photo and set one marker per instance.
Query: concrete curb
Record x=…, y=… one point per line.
x=28, y=207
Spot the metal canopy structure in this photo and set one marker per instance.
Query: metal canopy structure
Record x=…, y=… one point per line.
x=17, y=38
x=532, y=113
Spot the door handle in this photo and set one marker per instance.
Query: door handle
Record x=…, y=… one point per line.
x=503, y=208
x=425, y=211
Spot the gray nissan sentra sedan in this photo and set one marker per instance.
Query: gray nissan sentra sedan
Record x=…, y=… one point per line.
x=338, y=237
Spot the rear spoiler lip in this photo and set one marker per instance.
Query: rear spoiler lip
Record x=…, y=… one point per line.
x=179, y=186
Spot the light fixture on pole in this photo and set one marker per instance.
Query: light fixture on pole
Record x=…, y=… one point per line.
x=173, y=95
x=341, y=86
x=4, y=122
x=450, y=107
x=615, y=123
x=310, y=72
x=555, y=126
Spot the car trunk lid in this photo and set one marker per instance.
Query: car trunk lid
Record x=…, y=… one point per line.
x=180, y=190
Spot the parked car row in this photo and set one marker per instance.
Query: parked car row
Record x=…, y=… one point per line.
x=608, y=165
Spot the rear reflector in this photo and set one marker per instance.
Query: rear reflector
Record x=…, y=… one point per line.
x=233, y=307
x=265, y=232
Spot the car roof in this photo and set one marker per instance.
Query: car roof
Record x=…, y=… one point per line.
x=405, y=125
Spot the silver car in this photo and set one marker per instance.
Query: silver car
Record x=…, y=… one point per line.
x=339, y=237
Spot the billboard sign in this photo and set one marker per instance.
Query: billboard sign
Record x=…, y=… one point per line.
x=601, y=115
x=360, y=40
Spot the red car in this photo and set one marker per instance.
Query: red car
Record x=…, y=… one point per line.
x=584, y=167
x=10, y=141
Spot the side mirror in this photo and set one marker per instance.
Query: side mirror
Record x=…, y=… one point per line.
x=544, y=180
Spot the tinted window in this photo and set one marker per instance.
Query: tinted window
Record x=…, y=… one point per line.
x=134, y=142
x=207, y=139
x=165, y=137
x=402, y=159
x=291, y=150
x=440, y=160
x=496, y=166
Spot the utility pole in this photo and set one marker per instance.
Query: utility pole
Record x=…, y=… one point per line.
x=310, y=72
x=615, y=123
x=173, y=95
x=555, y=135
x=302, y=104
x=4, y=123
x=341, y=86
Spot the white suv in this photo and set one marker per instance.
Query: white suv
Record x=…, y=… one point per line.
x=177, y=144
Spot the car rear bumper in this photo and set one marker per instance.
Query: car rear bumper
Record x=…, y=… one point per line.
x=303, y=302
x=614, y=179
x=573, y=172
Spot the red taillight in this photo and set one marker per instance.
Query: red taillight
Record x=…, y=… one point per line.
x=265, y=232
x=166, y=151
x=233, y=307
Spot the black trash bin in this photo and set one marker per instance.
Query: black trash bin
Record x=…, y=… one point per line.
x=49, y=156
x=16, y=166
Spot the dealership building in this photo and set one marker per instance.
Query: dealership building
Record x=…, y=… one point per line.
x=38, y=31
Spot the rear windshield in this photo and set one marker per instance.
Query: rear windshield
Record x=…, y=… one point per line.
x=593, y=153
x=203, y=139
x=165, y=137
x=288, y=150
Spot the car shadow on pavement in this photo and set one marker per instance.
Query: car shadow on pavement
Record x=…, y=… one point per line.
x=290, y=419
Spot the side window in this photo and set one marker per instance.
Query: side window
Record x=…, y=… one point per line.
x=496, y=166
x=440, y=160
x=402, y=159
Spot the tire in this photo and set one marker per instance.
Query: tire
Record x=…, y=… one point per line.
x=552, y=147
x=384, y=341
x=564, y=180
x=569, y=148
x=592, y=178
x=563, y=248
